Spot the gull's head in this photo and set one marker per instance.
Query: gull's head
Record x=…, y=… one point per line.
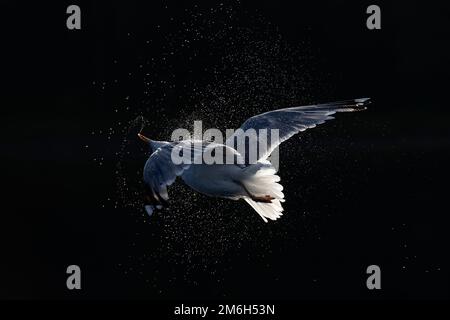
x=153, y=144
x=144, y=138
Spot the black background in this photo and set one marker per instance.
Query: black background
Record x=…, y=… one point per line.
x=391, y=208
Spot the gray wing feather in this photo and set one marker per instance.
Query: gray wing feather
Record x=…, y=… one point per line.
x=160, y=171
x=288, y=122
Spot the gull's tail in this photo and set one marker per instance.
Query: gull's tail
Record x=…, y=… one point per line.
x=271, y=211
x=260, y=180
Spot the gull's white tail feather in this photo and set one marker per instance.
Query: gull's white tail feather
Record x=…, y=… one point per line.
x=260, y=180
x=266, y=211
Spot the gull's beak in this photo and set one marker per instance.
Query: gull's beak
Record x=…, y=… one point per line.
x=143, y=138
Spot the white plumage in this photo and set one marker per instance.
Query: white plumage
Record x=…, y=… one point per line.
x=255, y=182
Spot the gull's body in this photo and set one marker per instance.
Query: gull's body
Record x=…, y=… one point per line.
x=219, y=180
x=255, y=182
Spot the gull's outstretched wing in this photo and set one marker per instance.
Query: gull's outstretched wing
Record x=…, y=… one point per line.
x=160, y=171
x=288, y=121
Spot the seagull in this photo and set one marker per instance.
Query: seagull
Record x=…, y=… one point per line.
x=256, y=181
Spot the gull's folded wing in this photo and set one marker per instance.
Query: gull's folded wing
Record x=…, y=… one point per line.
x=160, y=171
x=288, y=122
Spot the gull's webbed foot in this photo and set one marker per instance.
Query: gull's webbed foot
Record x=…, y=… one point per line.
x=266, y=199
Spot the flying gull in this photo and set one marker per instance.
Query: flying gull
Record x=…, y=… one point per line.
x=253, y=180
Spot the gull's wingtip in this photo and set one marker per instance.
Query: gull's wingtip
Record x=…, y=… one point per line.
x=149, y=209
x=363, y=100
x=361, y=104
